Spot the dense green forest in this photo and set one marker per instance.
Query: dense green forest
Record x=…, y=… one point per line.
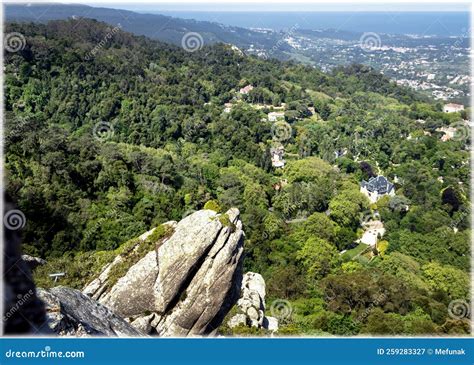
x=102, y=147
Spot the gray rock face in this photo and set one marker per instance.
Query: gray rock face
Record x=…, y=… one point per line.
x=270, y=324
x=97, y=287
x=145, y=324
x=251, y=304
x=239, y=319
x=252, y=300
x=187, y=285
x=33, y=262
x=71, y=313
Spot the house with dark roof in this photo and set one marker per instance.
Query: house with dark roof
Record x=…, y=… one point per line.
x=376, y=187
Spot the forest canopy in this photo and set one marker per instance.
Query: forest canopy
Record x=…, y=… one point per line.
x=101, y=149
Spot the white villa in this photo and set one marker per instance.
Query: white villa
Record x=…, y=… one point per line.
x=376, y=188
x=245, y=90
x=449, y=133
x=227, y=107
x=453, y=108
x=277, y=157
x=274, y=116
x=374, y=230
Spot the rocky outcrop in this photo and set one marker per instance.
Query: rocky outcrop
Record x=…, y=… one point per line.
x=251, y=305
x=185, y=284
x=99, y=285
x=180, y=279
x=71, y=313
x=33, y=262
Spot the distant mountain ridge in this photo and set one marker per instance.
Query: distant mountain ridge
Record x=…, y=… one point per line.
x=155, y=26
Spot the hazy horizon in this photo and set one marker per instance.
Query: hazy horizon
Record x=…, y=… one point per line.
x=283, y=7
x=441, y=19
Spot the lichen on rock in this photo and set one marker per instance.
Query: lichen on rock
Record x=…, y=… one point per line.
x=185, y=284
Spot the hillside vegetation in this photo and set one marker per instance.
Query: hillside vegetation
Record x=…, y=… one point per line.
x=102, y=147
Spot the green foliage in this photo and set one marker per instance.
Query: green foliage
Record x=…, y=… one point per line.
x=226, y=222
x=172, y=150
x=317, y=225
x=212, y=205
x=404, y=267
x=135, y=250
x=319, y=257
x=273, y=226
x=379, y=323
x=285, y=282
x=343, y=326
x=347, y=206
x=419, y=323
x=382, y=247
x=351, y=266
x=354, y=252
x=354, y=292
x=79, y=268
x=246, y=331
x=454, y=282
x=162, y=231
x=442, y=245
x=310, y=169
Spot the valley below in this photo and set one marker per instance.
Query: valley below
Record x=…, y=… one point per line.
x=194, y=185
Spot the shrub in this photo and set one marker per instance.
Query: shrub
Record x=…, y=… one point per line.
x=212, y=205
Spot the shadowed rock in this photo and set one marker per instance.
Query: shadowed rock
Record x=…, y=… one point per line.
x=251, y=305
x=71, y=313
x=33, y=262
x=187, y=284
x=23, y=312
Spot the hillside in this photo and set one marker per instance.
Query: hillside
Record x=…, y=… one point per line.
x=435, y=66
x=106, y=142
x=154, y=26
